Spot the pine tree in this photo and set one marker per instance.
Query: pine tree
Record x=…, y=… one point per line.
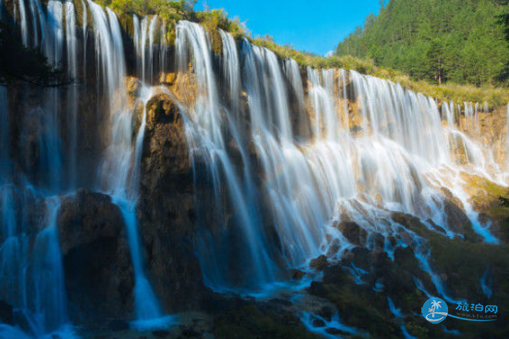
x=437, y=40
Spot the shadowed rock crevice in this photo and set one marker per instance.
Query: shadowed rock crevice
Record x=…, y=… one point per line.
x=96, y=258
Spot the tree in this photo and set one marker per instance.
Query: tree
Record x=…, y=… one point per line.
x=438, y=41
x=435, y=60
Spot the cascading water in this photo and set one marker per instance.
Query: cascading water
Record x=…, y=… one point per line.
x=4, y=134
x=31, y=264
x=150, y=47
x=290, y=154
x=84, y=20
x=116, y=171
x=48, y=274
x=192, y=38
x=507, y=136
x=40, y=287
x=24, y=22
x=30, y=258
x=72, y=90
x=390, y=154
x=231, y=69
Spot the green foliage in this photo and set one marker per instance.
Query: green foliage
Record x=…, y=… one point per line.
x=444, y=92
x=218, y=19
x=365, y=66
x=166, y=9
x=459, y=41
x=173, y=11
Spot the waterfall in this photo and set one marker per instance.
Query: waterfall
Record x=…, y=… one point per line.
x=486, y=283
x=390, y=154
x=48, y=273
x=150, y=51
x=192, y=38
x=280, y=95
x=30, y=258
x=33, y=275
x=140, y=36
x=282, y=156
x=84, y=19
x=31, y=263
x=115, y=174
x=399, y=316
x=231, y=70
x=24, y=22
x=54, y=33
x=448, y=113
x=507, y=135
x=151, y=39
x=136, y=37
x=326, y=122
x=163, y=48
x=293, y=74
x=345, y=116
x=34, y=8
x=72, y=90
x=207, y=96
x=4, y=135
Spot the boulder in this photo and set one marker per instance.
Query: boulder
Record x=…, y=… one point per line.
x=166, y=208
x=297, y=274
x=319, y=263
x=6, y=313
x=96, y=256
x=353, y=232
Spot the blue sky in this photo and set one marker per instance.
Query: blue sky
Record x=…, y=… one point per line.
x=315, y=26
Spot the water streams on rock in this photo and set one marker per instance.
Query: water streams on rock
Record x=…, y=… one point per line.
x=32, y=276
x=395, y=161
x=289, y=155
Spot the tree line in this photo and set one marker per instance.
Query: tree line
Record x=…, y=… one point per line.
x=461, y=41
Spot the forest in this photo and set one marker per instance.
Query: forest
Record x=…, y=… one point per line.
x=460, y=41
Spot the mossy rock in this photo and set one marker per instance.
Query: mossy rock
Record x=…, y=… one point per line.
x=483, y=192
x=250, y=322
x=216, y=41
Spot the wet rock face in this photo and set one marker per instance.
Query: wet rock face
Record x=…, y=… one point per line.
x=96, y=258
x=6, y=313
x=166, y=207
x=166, y=151
x=491, y=130
x=353, y=232
x=30, y=110
x=489, y=199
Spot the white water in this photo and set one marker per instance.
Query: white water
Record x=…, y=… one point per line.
x=308, y=319
x=395, y=159
x=192, y=38
x=486, y=284
x=30, y=260
x=150, y=47
x=115, y=174
x=277, y=190
x=72, y=91
x=30, y=264
x=24, y=22
x=4, y=135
